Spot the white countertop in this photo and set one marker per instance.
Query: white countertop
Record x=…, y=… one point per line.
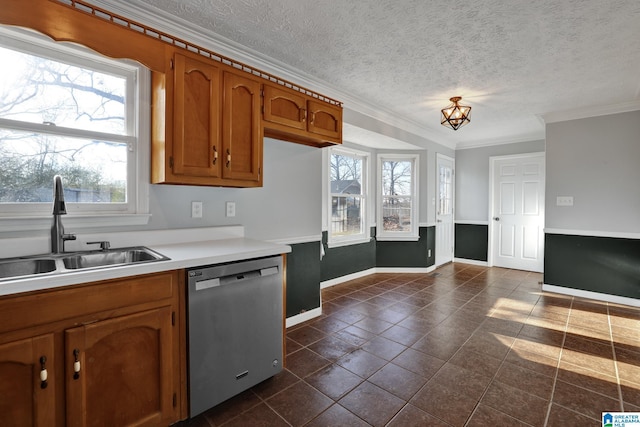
x=219, y=249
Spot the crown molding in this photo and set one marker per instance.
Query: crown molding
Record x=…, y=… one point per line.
x=595, y=111
x=534, y=136
x=208, y=39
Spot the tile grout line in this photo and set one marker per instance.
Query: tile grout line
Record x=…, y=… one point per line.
x=615, y=359
x=555, y=377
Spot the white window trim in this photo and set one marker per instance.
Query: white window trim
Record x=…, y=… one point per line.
x=365, y=236
x=413, y=234
x=134, y=212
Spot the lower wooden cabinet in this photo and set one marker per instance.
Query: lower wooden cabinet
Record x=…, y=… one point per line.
x=122, y=366
x=127, y=358
x=27, y=385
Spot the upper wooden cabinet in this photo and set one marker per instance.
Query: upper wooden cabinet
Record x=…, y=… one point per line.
x=297, y=117
x=206, y=124
x=196, y=118
x=241, y=130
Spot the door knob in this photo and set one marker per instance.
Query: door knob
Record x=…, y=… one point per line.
x=495, y=218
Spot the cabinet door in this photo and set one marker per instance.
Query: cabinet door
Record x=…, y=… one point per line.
x=25, y=399
x=325, y=119
x=242, y=133
x=285, y=107
x=119, y=371
x=196, y=123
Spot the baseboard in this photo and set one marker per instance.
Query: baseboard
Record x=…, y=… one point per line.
x=405, y=269
x=471, y=261
x=303, y=317
x=342, y=279
x=363, y=273
x=591, y=295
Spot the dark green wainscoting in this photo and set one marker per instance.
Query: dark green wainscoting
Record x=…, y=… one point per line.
x=471, y=241
x=598, y=264
x=345, y=260
x=305, y=270
x=408, y=254
x=303, y=278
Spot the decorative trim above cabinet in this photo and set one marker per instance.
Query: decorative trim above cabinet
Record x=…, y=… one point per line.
x=119, y=37
x=124, y=37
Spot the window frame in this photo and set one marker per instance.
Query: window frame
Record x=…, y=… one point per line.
x=365, y=235
x=413, y=233
x=135, y=211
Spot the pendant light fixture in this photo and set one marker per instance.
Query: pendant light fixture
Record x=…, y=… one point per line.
x=455, y=115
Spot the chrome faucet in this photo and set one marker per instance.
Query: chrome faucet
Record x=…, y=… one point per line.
x=58, y=236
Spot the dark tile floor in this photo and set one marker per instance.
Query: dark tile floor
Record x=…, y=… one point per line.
x=462, y=346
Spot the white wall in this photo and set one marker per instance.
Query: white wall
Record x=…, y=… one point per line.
x=288, y=206
x=597, y=161
x=472, y=177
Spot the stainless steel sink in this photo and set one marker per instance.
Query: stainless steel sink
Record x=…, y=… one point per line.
x=111, y=257
x=22, y=267
x=26, y=267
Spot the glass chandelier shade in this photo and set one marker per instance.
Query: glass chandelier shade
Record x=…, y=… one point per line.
x=455, y=115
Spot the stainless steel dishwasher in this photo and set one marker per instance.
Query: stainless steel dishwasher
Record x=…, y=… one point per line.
x=235, y=328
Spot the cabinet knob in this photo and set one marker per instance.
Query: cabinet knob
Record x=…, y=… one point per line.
x=76, y=364
x=43, y=372
x=228, y=158
x=215, y=154
x=313, y=117
x=303, y=115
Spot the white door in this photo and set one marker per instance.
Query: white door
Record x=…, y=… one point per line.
x=444, y=209
x=517, y=212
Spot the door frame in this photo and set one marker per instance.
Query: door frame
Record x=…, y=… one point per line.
x=453, y=206
x=492, y=167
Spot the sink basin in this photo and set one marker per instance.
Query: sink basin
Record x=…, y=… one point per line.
x=111, y=257
x=26, y=267
x=23, y=267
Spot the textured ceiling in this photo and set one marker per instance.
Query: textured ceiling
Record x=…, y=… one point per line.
x=512, y=61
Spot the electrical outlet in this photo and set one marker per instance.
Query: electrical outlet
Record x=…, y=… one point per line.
x=428, y=253
x=564, y=201
x=196, y=209
x=231, y=209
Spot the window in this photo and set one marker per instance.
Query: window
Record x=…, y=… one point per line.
x=348, y=197
x=65, y=111
x=398, y=205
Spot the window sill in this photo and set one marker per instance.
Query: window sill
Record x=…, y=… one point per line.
x=397, y=238
x=72, y=222
x=337, y=244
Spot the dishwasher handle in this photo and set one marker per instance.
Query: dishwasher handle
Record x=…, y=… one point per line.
x=235, y=278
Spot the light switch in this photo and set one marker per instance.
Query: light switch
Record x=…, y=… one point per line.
x=564, y=201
